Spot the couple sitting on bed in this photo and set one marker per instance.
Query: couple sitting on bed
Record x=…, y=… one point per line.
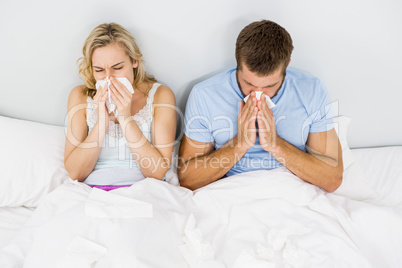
x=260, y=115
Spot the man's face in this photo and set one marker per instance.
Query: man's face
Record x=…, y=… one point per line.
x=269, y=84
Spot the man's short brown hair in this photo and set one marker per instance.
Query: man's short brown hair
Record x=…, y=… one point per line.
x=263, y=46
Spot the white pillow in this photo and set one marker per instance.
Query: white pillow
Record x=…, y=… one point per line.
x=354, y=184
x=384, y=171
x=31, y=161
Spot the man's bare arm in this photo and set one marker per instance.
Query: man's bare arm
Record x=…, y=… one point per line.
x=200, y=164
x=321, y=165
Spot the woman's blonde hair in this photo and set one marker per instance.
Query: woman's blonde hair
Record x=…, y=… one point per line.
x=104, y=35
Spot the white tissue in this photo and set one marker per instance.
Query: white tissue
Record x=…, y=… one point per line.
x=111, y=106
x=258, y=96
x=294, y=256
x=264, y=258
x=102, y=204
x=280, y=249
x=197, y=253
x=81, y=253
x=277, y=238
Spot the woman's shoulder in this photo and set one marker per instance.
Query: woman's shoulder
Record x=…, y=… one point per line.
x=77, y=98
x=164, y=94
x=78, y=94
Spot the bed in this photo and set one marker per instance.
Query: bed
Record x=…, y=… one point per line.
x=255, y=219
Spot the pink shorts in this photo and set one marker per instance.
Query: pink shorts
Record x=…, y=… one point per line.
x=108, y=187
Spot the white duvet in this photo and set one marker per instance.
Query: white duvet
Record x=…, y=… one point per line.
x=255, y=219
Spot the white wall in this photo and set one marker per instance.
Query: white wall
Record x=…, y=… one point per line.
x=353, y=46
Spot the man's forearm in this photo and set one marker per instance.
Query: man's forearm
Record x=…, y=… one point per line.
x=200, y=171
x=317, y=169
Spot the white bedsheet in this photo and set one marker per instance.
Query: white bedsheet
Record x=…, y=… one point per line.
x=257, y=219
x=50, y=236
x=312, y=228
x=11, y=222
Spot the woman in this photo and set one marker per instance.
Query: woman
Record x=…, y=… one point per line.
x=76, y=226
x=108, y=148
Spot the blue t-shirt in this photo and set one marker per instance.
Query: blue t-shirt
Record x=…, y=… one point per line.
x=303, y=105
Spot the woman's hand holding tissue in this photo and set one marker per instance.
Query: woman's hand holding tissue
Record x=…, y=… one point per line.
x=122, y=97
x=99, y=102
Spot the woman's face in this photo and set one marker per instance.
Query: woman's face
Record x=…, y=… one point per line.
x=112, y=61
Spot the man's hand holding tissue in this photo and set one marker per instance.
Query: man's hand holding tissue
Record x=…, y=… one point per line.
x=266, y=125
x=246, y=128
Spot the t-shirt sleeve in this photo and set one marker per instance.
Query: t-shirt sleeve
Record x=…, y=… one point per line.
x=323, y=111
x=197, y=124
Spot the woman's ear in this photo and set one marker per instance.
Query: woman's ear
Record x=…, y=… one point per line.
x=135, y=64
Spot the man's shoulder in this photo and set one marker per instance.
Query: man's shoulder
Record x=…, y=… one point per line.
x=300, y=76
x=311, y=92
x=304, y=82
x=219, y=80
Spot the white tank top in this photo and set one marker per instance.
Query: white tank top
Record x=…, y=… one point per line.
x=115, y=165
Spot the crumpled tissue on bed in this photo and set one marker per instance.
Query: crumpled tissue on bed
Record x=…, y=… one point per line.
x=81, y=253
x=197, y=253
x=264, y=258
x=258, y=96
x=102, y=204
x=279, y=239
x=294, y=256
x=279, y=247
x=111, y=106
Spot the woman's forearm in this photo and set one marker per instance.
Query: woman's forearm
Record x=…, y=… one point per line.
x=149, y=159
x=82, y=160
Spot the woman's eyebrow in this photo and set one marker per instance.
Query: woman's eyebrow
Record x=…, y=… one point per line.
x=117, y=64
x=114, y=65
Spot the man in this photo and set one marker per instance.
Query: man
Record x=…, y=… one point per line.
x=225, y=136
